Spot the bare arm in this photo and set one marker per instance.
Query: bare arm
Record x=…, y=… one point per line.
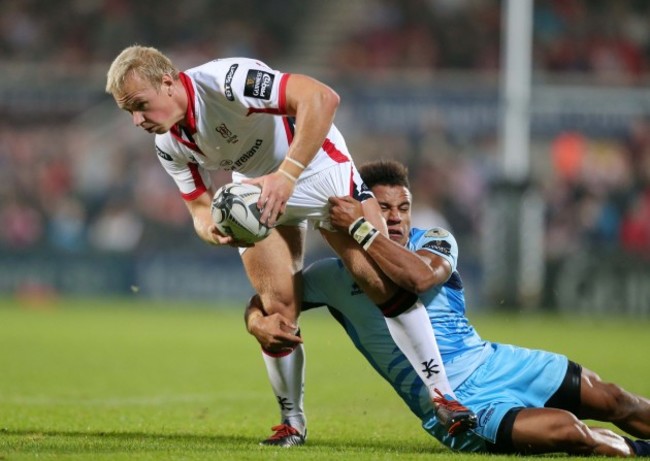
x=314, y=105
x=414, y=271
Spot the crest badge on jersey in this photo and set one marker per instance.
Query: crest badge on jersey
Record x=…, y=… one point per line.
x=438, y=232
x=259, y=84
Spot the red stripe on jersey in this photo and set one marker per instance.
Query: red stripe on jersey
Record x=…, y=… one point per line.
x=190, y=114
x=253, y=110
x=190, y=117
x=333, y=152
x=198, y=183
x=178, y=135
x=282, y=99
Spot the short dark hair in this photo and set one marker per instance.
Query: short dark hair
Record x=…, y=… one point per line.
x=384, y=173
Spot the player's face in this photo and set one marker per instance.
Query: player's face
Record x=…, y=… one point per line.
x=152, y=109
x=395, y=203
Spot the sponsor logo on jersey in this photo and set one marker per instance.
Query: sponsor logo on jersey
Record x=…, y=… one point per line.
x=163, y=155
x=227, y=88
x=440, y=246
x=259, y=84
x=248, y=154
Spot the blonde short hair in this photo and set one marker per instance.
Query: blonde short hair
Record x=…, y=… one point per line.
x=147, y=62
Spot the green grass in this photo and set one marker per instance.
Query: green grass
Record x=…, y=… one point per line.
x=117, y=380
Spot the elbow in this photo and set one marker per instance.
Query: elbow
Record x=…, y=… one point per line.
x=330, y=99
x=418, y=285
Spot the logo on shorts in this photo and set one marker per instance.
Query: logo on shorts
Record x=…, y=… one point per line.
x=361, y=192
x=484, y=416
x=227, y=88
x=259, y=84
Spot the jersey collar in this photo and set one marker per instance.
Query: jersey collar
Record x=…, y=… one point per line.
x=189, y=128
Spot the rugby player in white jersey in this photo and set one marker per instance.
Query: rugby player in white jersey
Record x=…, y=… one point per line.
x=275, y=130
x=527, y=401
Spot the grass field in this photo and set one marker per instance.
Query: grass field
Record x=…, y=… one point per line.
x=118, y=380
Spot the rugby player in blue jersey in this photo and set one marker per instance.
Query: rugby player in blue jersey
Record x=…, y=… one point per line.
x=527, y=401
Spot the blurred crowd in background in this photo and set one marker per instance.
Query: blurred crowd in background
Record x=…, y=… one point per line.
x=68, y=186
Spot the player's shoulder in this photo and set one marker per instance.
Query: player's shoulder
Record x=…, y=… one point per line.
x=167, y=148
x=435, y=239
x=432, y=233
x=226, y=66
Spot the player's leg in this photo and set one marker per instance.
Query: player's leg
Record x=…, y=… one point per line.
x=610, y=402
x=273, y=267
x=548, y=430
x=410, y=328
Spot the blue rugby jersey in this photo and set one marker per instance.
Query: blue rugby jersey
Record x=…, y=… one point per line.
x=327, y=283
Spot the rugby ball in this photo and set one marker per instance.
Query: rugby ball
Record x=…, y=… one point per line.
x=234, y=211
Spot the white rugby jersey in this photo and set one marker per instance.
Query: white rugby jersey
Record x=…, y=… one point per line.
x=236, y=122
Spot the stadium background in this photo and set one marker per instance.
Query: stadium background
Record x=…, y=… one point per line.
x=85, y=208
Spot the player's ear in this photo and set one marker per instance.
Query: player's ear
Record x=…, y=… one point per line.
x=167, y=84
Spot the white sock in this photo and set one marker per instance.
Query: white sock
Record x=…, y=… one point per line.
x=287, y=376
x=413, y=333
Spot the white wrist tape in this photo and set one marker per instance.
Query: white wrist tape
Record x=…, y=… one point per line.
x=296, y=162
x=291, y=177
x=363, y=232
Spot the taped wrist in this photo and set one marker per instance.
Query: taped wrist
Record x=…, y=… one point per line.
x=363, y=232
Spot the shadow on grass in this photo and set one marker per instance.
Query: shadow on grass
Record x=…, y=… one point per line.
x=100, y=441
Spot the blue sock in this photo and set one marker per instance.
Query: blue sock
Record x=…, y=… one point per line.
x=640, y=448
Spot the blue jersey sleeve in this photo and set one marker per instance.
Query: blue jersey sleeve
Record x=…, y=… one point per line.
x=436, y=240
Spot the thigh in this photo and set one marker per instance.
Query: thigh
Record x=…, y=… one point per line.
x=511, y=377
x=274, y=266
